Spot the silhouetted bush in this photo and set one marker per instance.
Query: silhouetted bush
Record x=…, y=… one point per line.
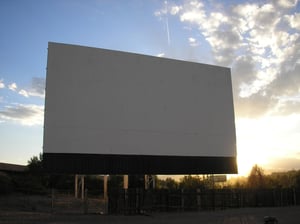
x=28, y=184
x=6, y=185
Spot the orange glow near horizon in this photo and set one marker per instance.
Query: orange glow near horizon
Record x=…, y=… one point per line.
x=253, y=143
x=268, y=142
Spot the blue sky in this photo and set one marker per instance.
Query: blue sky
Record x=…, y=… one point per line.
x=258, y=40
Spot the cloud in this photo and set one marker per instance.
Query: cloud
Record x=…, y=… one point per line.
x=285, y=3
x=160, y=55
x=286, y=84
x=175, y=9
x=287, y=107
x=25, y=114
x=284, y=163
x=24, y=93
x=255, y=105
x=13, y=86
x=193, y=42
x=261, y=44
x=168, y=8
x=2, y=85
x=294, y=20
x=37, y=87
x=217, y=29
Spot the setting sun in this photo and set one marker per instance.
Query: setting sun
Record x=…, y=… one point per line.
x=264, y=141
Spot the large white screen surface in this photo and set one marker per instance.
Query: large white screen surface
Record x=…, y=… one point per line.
x=109, y=102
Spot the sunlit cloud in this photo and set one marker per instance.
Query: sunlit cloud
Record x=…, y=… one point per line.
x=286, y=3
x=175, y=9
x=36, y=89
x=23, y=93
x=281, y=164
x=294, y=20
x=160, y=55
x=193, y=42
x=2, y=85
x=13, y=86
x=24, y=114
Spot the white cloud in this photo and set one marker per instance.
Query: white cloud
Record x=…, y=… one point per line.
x=286, y=3
x=196, y=4
x=160, y=55
x=13, y=86
x=194, y=15
x=217, y=29
x=168, y=8
x=193, y=42
x=2, y=85
x=245, y=10
x=175, y=9
x=25, y=114
x=37, y=87
x=294, y=20
x=23, y=93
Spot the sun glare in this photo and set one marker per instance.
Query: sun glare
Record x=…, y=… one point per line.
x=252, y=142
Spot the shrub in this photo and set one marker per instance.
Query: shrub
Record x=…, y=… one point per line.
x=6, y=185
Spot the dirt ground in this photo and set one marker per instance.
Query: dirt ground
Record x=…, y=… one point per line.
x=12, y=212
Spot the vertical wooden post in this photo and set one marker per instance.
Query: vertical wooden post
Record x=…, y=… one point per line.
x=149, y=182
x=153, y=182
x=105, y=187
x=82, y=186
x=146, y=180
x=125, y=182
x=76, y=186
x=125, y=187
x=105, y=195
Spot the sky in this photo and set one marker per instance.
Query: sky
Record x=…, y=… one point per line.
x=258, y=39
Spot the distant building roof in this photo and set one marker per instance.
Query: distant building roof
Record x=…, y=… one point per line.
x=12, y=167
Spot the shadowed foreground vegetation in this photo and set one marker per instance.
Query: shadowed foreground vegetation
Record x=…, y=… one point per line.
x=190, y=193
x=35, y=181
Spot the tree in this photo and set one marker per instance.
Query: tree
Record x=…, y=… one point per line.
x=32, y=181
x=168, y=183
x=288, y=179
x=34, y=164
x=191, y=182
x=297, y=179
x=237, y=183
x=256, y=178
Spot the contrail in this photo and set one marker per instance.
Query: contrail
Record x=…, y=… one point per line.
x=168, y=32
x=167, y=23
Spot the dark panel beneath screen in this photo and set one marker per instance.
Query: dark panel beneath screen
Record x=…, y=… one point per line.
x=74, y=163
